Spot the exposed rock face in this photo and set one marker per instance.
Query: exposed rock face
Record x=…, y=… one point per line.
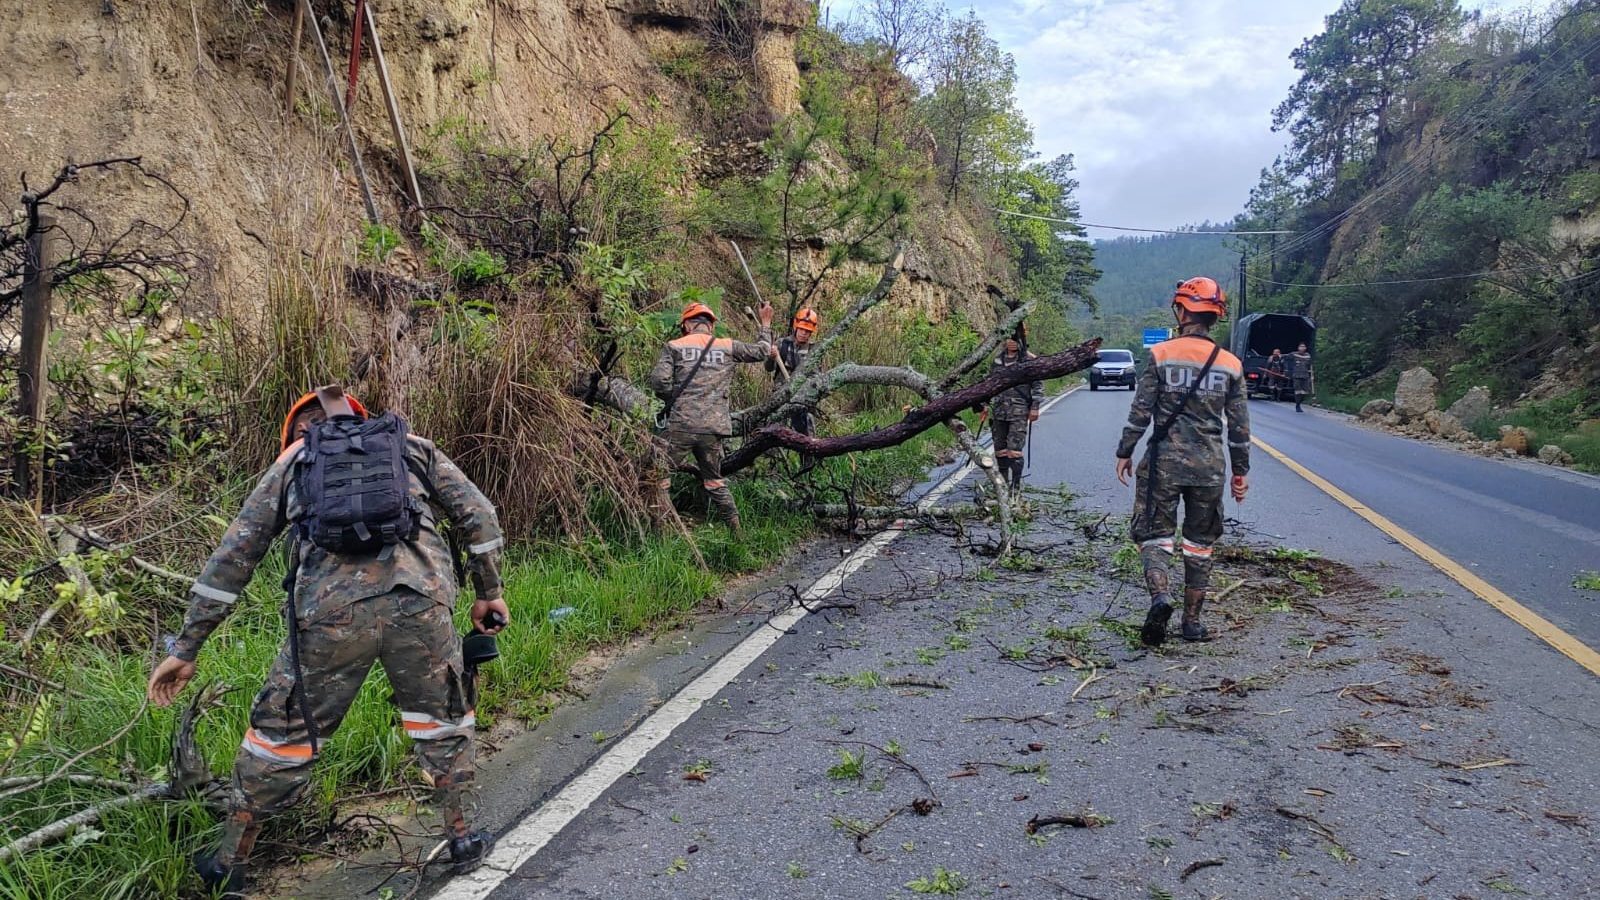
x=1417, y=393
x=1473, y=406
x=1376, y=409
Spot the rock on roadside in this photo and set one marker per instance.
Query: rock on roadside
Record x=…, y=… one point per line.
x=1516, y=439
x=1550, y=454
x=1474, y=406
x=1376, y=409
x=1417, y=393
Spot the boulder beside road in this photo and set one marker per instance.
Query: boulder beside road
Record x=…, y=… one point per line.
x=1474, y=406
x=1416, y=394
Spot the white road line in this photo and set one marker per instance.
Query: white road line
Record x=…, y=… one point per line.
x=528, y=837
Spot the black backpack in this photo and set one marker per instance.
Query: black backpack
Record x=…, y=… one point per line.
x=355, y=485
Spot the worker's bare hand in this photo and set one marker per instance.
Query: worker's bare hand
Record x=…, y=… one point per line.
x=764, y=314
x=168, y=680
x=773, y=352
x=1033, y=415
x=1240, y=487
x=1124, y=469
x=482, y=608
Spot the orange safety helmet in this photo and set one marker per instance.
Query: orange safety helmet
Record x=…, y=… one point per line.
x=695, y=311
x=305, y=402
x=1202, y=295
x=806, y=320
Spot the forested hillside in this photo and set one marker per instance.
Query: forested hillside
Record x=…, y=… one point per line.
x=1443, y=176
x=1137, y=273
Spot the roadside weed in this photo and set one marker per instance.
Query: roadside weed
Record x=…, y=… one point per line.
x=943, y=881
x=850, y=766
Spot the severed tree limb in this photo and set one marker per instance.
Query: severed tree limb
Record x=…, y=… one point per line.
x=919, y=419
x=63, y=827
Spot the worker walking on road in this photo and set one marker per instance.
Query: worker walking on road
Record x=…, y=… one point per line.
x=1191, y=390
x=370, y=578
x=1300, y=372
x=1012, y=410
x=693, y=375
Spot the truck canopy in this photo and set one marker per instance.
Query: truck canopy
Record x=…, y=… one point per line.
x=1258, y=334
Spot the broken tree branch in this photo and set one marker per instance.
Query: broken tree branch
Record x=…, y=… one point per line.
x=919, y=419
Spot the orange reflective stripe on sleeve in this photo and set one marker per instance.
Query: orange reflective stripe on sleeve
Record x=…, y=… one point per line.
x=715, y=483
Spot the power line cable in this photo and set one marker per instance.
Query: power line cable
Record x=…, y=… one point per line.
x=1437, y=278
x=1007, y=212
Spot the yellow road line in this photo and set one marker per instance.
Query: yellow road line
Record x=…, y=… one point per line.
x=1546, y=630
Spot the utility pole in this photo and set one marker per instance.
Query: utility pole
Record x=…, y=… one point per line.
x=1244, y=300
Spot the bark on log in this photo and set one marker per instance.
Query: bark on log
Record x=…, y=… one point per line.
x=917, y=420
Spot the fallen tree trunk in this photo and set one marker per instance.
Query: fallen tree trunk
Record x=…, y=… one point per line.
x=919, y=419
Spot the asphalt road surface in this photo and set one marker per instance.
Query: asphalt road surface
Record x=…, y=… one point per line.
x=1526, y=528
x=1360, y=730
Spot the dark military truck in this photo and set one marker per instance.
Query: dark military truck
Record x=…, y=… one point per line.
x=1255, y=337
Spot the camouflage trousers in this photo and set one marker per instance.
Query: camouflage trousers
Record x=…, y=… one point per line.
x=1155, y=526
x=706, y=450
x=1010, y=437
x=412, y=635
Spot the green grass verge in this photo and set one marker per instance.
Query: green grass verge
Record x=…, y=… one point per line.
x=616, y=591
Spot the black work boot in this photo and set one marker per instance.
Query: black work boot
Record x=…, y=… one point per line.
x=1194, y=600
x=470, y=850
x=218, y=878
x=1154, y=632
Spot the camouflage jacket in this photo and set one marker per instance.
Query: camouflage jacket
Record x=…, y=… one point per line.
x=1300, y=367
x=1015, y=403
x=702, y=408
x=328, y=582
x=793, y=353
x=1191, y=454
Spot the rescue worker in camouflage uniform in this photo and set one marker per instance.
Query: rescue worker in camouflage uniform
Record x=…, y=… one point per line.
x=1191, y=404
x=1300, y=371
x=393, y=606
x=699, y=419
x=1011, y=411
x=794, y=349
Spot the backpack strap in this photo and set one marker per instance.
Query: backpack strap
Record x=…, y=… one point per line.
x=666, y=410
x=1160, y=432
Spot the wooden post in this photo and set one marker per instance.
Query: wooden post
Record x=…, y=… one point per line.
x=407, y=168
x=294, y=59
x=31, y=386
x=356, y=23
x=344, y=117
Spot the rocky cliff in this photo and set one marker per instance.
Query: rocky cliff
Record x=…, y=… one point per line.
x=197, y=89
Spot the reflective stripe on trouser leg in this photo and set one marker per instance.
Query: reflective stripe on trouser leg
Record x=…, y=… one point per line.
x=1156, y=554
x=445, y=751
x=1196, y=565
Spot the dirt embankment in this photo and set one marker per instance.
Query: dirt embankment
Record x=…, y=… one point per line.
x=198, y=91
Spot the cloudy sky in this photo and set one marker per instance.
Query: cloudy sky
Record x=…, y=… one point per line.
x=1166, y=104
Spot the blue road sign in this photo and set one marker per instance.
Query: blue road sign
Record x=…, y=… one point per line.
x=1154, y=336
